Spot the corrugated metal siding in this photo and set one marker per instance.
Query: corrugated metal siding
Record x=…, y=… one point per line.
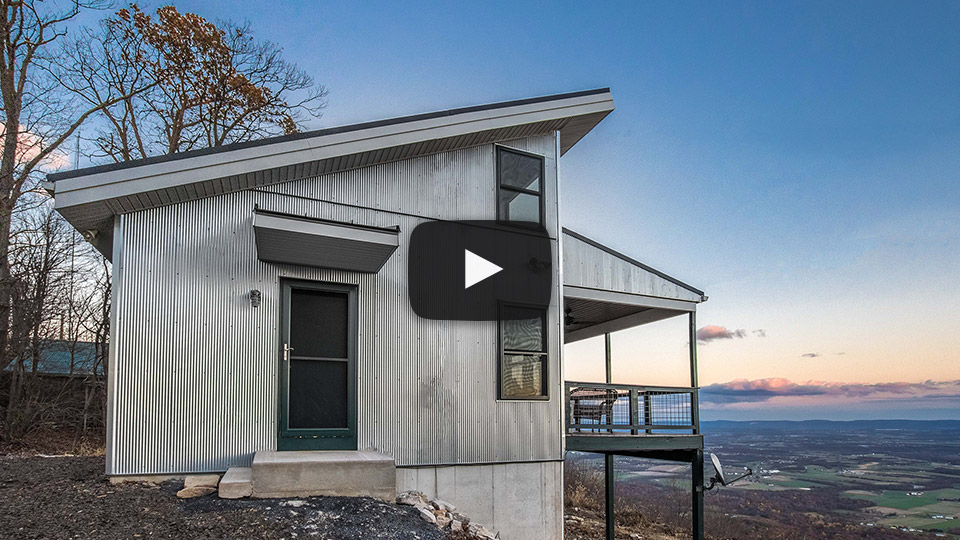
x=196, y=367
x=588, y=266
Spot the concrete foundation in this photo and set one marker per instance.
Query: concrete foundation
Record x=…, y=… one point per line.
x=520, y=500
x=331, y=472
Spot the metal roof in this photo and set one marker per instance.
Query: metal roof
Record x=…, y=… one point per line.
x=606, y=291
x=634, y=262
x=90, y=197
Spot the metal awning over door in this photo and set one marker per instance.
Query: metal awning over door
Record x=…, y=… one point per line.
x=288, y=239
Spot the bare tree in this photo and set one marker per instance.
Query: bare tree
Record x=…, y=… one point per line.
x=150, y=84
x=210, y=84
x=49, y=261
x=38, y=116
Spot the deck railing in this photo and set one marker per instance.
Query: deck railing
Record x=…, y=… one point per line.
x=619, y=409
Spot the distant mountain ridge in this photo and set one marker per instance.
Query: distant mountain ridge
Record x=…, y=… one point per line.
x=826, y=425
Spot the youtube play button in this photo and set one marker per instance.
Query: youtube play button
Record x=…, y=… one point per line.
x=476, y=269
x=466, y=270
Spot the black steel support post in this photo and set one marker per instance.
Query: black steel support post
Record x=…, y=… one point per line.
x=609, y=357
x=609, y=479
x=609, y=484
x=697, y=491
x=696, y=484
x=694, y=377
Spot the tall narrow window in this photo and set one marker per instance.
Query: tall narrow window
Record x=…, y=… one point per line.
x=520, y=187
x=523, y=353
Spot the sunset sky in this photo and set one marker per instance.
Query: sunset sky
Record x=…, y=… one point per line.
x=800, y=162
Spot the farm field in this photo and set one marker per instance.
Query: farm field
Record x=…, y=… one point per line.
x=824, y=479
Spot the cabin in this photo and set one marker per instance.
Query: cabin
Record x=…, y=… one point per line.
x=261, y=323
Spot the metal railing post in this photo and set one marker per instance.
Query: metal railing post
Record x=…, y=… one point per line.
x=634, y=412
x=647, y=412
x=609, y=363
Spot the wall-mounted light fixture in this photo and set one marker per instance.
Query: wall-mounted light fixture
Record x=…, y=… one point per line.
x=255, y=298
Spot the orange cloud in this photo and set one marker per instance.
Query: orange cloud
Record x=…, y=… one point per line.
x=30, y=145
x=743, y=391
x=713, y=332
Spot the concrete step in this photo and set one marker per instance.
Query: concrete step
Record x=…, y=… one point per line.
x=237, y=483
x=347, y=473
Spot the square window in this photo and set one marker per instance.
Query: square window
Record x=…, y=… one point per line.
x=520, y=171
x=519, y=187
x=518, y=206
x=522, y=376
x=522, y=329
x=523, y=353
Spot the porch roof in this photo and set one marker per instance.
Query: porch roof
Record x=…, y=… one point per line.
x=605, y=290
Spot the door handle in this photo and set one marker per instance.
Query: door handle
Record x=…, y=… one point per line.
x=286, y=352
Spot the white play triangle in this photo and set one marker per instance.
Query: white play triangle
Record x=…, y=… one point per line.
x=476, y=269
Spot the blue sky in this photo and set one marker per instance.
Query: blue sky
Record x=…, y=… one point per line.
x=798, y=161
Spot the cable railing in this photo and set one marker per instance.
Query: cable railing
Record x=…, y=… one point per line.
x=621, y=409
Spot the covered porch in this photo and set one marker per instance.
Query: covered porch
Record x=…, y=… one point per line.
x=605, y=292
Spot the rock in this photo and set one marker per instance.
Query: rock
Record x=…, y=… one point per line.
x=465, y=520
x=442, y=505
x=443, y=518
x=412, y=498
x=296, y=503
x=479, y=530
x=456, y=525
x=195, y=491
x=427, y=516
x=201, y=480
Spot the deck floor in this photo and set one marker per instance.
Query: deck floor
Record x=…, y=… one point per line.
x=625, y=442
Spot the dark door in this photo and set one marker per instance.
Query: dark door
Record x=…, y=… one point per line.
x=318, y=386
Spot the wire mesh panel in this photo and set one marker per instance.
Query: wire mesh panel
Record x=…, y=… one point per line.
x=669, y=409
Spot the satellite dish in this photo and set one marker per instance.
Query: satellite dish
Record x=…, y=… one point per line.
x=720, y=478
x=719, y=468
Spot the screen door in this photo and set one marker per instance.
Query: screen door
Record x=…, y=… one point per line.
x=318, y=367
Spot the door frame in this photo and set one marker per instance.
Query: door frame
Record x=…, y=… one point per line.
x=324, y=438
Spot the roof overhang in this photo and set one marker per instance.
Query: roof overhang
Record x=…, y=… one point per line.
x=287, y=239
x=89, y=198
x=597, y=312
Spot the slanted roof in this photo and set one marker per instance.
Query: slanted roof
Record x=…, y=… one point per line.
x=605, y=290
x=90, y=197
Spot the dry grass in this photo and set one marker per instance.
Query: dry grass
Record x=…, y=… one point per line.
x=63, y=441
x=584, y=497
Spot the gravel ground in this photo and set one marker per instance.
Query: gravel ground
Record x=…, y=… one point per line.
x=70, y=497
